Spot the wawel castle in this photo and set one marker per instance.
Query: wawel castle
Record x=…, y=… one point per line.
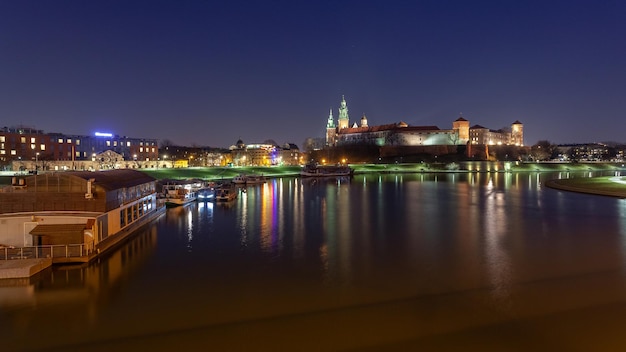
x=402, y=134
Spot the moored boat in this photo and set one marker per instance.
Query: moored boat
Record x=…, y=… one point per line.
x=240, y=179
x=206, y=194
x=248, y=179
x=255, y=179
x=316, y=170
x=226, y=192
x=179, y=193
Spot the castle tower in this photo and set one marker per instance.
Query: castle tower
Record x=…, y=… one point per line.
x=343, y=121
x=517, y=133
x=462, y=126
x=363, y=121
x=331, y=129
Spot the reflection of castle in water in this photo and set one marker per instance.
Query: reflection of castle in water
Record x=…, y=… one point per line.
x=64, y=288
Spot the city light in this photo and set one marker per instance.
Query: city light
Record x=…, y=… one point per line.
x=103, y=134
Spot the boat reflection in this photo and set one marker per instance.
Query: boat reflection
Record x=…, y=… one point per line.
x=307, y=181
x=74, y=291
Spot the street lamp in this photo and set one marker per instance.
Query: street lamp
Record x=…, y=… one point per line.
x=36, y=160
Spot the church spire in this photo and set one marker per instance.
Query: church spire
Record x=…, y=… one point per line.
x=331, y=121
x=343, y=119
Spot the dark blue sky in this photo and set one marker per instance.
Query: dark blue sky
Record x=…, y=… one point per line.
x=211, y=72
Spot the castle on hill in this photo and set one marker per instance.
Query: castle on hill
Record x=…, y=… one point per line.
x=402, y=134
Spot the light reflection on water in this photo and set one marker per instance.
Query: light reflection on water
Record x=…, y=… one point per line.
x=430, y=255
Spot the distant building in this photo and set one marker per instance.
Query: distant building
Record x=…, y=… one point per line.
x=402, y=134
x=589, y=152
x=29, y=144
x=264, y=154
x=483, y=135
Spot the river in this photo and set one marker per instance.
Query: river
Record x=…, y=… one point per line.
x=471, y=261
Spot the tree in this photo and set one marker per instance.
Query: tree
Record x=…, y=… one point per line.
x=310, y=144
x=166, y=143
x=542, y=150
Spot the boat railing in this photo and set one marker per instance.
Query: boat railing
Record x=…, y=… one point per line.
x=47, y=251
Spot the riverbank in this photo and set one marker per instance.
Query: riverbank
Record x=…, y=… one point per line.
x=217, y=173
x=225, y=173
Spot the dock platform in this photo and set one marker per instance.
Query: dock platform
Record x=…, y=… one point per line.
x=23, y=268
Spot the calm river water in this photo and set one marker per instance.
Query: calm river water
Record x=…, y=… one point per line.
x=482, y=261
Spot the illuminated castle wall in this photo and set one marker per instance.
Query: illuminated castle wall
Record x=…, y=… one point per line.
x=401, y=134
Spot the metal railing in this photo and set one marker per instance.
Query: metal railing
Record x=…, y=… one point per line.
x=47, y=251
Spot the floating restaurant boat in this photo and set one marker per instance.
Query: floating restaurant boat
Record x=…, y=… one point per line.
x=316, y=170
x=74, y=216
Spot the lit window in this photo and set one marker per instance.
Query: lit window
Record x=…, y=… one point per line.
x=108, y=143
x=115, y=143
x=128, y=143
x=32, y=146
x=23, y=139
x=69, y=141
x=13, y=152
x=141, y=149
x=3, y=152
x=32, y=139
x=2, y=139
x=78, y=142
x=78, y=154
x=42, y=147
x=140, y=143
x=60, y=140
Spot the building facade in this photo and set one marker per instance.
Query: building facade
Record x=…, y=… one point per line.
x=264, y=154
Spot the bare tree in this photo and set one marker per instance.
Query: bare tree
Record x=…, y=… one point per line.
x=166, y=143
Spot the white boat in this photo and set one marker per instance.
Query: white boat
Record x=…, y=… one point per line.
x=315, y=170
x=248, y=179
x=178, y=194
x=225, y=192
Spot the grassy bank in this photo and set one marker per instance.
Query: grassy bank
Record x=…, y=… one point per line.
x=607, y=186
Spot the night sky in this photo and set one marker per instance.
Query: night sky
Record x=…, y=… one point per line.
x=210, y=72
